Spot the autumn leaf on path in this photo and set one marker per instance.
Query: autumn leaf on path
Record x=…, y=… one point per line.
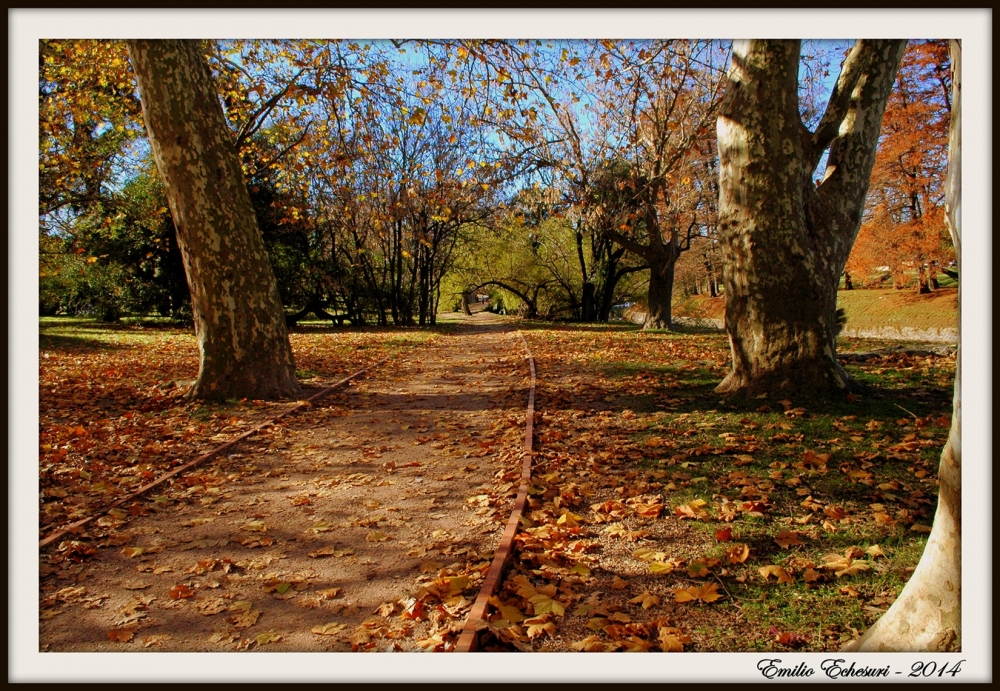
x=693, y=510
x=508, y=612
x=538, y=626
x=329, y=629
x=254, y=526
x=267, y=637
x=646, y=600
x=210, y=607
x=544, y=604
x=245, y=616
x=647, y=554
x=323, y=552
x=413, y=609
x=724, y=535
x=706, y=593
x=320, y=527
x=619, y=583
x=179, y=592
x=590, y=644
x=385, y=609
x=673, y=640
x=156, y=639
x=123, y=634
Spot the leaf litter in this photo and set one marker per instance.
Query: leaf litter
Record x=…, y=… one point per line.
x=324, y=533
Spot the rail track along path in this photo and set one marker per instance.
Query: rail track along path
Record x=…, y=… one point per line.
x=366, y=521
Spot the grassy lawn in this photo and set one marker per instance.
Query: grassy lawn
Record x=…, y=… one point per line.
x=832, y=501
x=865, y=309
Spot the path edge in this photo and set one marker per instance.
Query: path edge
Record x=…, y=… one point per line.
x=468, y=640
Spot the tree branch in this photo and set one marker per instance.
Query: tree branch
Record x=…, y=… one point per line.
x=256, y=119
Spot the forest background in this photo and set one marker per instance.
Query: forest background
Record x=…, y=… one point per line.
x=23, y=359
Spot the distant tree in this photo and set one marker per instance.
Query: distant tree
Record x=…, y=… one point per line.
x=239, y=320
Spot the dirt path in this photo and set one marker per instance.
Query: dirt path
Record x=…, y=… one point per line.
x=366, y=522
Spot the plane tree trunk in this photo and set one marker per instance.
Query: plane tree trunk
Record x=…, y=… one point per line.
x=238, y=315
x=927, y=615
x=785, y=239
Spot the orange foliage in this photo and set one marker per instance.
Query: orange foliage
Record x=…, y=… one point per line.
x=904, y=230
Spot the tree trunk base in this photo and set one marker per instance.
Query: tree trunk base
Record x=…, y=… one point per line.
x=271, y=384
x=657, y=323
x=818, y=379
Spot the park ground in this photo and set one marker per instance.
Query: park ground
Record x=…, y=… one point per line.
x=661, y=516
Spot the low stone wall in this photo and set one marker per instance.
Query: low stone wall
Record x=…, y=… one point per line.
x=904, y=333
x=888, y=333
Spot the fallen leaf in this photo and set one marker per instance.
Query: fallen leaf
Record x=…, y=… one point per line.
x=330, y=629
x=544, y=604
x=875, y=552
x=788, y=538
x=646, y=600
x=776, y=571
x=590, y=644
x=663, y=567
x=210, y=607
x=706, y=593
x=693, y=510
x=123, y=634
x=267, y=637
x=672, y=640
x=179, y=592
x=737, y=554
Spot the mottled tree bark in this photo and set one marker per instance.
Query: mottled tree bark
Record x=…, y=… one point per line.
x=784, y=239
x=238, y=316
x=927, y=615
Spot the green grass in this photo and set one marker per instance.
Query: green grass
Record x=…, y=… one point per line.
x=873, y=309
x=878, y=421
x=865, y=309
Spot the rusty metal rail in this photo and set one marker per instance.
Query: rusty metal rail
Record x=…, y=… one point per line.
x=468, y=640
x=62, y=532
